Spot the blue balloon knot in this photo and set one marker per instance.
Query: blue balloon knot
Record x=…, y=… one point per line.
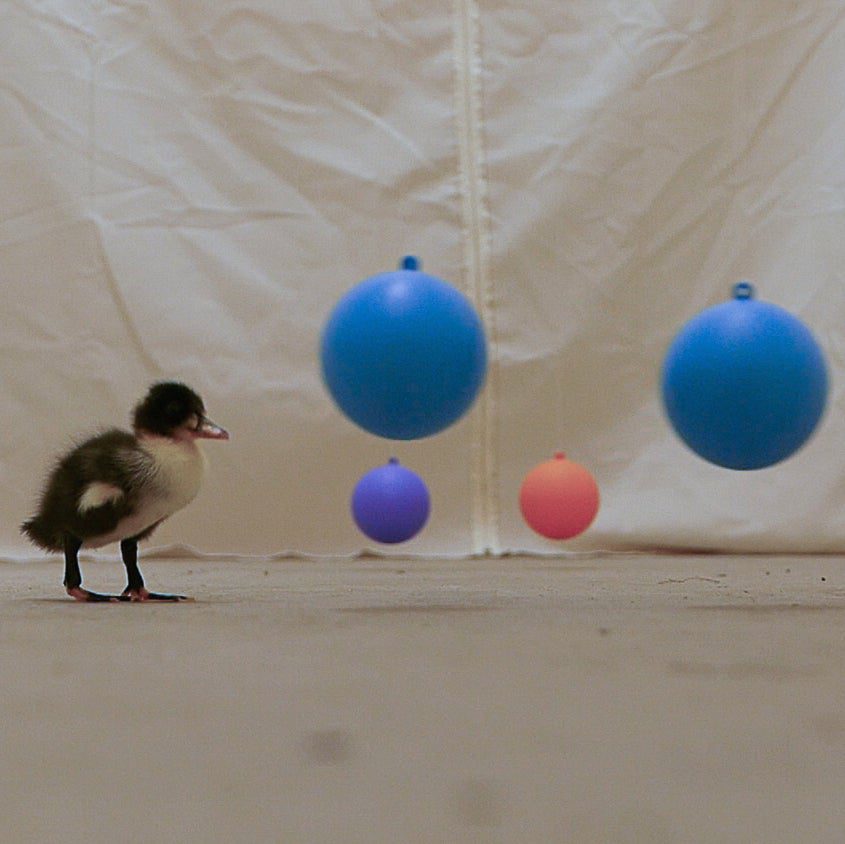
x=743, y=290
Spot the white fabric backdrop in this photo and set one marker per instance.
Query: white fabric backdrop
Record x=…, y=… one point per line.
x=187, y=187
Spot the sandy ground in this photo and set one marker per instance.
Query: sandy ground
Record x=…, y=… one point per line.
x=620, y=699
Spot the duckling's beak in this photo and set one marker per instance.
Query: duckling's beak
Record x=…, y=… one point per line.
x=209, y=431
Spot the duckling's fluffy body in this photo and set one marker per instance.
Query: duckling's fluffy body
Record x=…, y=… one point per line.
x=119, y=486
x=116, y=485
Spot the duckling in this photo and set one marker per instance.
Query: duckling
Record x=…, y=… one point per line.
x=119, y=486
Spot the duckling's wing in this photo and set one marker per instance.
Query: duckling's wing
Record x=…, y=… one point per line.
x=111, y=470
x=106, y=468
x=99, y=494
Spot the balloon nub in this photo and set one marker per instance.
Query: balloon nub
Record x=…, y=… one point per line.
x=743, y=290
x=410, y=262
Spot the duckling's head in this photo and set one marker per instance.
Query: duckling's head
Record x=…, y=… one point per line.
x=174, y=410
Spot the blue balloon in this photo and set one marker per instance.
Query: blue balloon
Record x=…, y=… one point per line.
x=391, y=503
x=745, y=383
x=404, y=354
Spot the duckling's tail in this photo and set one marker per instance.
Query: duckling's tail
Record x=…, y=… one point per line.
x=38, y=533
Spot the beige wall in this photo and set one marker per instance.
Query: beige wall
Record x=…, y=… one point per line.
x=186, y=188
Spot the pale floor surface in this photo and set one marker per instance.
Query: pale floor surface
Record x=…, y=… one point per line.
x=619, y=699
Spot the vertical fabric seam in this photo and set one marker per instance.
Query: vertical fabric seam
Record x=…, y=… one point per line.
x=476, y=245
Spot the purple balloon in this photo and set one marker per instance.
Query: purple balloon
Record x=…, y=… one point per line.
x=390, y=504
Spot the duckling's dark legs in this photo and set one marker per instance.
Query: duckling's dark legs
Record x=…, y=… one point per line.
x=135, y=589
x=129, y=552
x=73, y=576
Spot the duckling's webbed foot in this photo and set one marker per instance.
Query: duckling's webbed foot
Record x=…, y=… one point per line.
x=135, y=589
x=142, y=594
x=83, y=595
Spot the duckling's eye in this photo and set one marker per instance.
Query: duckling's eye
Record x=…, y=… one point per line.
x=194, y=422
